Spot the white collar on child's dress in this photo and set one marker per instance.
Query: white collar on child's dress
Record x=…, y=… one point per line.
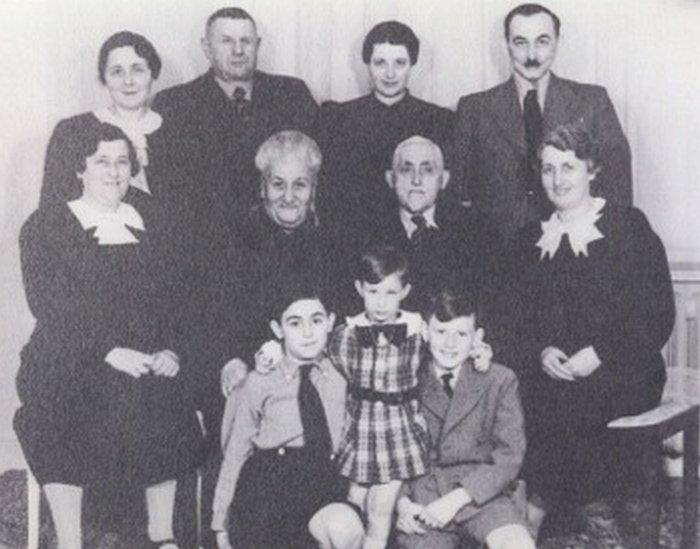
x=136, y=130
x=582, y=231
x=413, y=321
x=111, y=226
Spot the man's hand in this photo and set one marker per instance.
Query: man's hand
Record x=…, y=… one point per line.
x=441, y=511
x=129, y=361
x=553, y=366
x=481, y=352
x=233, y=374
x=583, y=363
x=407, y=521
x=268, y=357
x=165, y=363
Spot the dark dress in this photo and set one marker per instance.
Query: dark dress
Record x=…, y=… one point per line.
x=358, y=139
x=81, y=421
x=618, y=299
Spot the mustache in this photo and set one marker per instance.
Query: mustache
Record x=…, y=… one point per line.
x=531, y=64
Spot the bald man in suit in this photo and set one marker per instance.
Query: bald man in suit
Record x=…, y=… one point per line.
x=498, y=131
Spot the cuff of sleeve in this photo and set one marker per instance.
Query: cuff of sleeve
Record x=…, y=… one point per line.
x=218, y=522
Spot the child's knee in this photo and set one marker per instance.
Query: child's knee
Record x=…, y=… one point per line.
x=511, y=536
x=338, y=526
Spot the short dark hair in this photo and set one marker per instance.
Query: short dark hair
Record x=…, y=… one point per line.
x=89, y=139
x=392, y=32
x=381, y=261
x=229, y=13
x=287, y=290
x=141, y=45
x=574, y=137
x=448, y=303
x=526, y=10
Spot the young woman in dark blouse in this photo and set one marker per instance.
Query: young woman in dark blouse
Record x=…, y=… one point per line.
x=358, y=137
x=102, y=401
x=598, y=308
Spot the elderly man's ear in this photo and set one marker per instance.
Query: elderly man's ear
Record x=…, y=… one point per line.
x=389, y=178
x=445, y=179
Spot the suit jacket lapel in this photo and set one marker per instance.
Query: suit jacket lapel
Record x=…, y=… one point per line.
x=467, y=393
x=508, y=114
x=561, y=104
x=433, y=396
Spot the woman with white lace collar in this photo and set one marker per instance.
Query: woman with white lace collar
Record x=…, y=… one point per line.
x=597, y=309
x=102, y=403
x=128, y=66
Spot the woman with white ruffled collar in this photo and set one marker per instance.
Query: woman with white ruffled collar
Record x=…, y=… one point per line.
x=102, y=403
x=128, y=66
x=597, y=309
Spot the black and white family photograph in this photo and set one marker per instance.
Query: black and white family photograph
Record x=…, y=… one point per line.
x=349, y=274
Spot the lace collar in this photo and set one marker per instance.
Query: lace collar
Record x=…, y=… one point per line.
x=581, y=231
x=111, y=227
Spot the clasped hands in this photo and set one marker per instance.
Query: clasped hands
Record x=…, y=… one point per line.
x=135, y=363
x=557, y=365
x=414, y=518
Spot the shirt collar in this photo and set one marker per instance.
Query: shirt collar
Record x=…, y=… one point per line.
x=410, y=227
x=440, y=371
x=523, y=85
x=290, y=367
x=229, y=87
x=413, y=321
x=581, y=231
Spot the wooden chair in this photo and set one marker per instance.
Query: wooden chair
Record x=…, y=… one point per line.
x=656, y=425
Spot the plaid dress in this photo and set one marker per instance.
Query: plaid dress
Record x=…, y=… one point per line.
x=381, y=441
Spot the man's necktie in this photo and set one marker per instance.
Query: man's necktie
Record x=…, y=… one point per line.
x=421, y=226
x=317, y=437
x=446, y=379
x=240, y=102
x=534, y=125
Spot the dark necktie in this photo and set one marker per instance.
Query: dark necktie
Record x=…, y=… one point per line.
x=532, y=115
x=446, y=379
x=317, y=437
x=421, y=226
x=240, y=102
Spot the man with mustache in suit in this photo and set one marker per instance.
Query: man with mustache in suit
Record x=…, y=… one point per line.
x=498, y=131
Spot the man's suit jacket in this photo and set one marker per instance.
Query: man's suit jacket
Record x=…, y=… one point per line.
x=213, y=145
x=477, y=438
x=489, y=152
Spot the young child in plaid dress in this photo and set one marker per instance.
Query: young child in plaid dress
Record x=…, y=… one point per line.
x=385, y=436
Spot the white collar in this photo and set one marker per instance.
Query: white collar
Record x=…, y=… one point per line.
x=111, y=226
x=582, y=231
x=523, y=86
x=413, y=321
x=440, y=371
x=407, y=219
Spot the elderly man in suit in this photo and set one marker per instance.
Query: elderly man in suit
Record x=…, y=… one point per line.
x=498, y=131
x=216, y=122
x=445, y=242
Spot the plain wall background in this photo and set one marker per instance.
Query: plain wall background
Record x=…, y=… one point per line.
x=645, y=52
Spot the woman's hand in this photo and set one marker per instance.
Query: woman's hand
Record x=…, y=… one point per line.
x=553, y=366
x=583, y=363
x=165, y=363
x=407, y=517
x=129, y=361
x=223, y=541
x=481, y=352
x=233, y=374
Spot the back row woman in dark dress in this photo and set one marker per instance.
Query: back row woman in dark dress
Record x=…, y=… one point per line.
x=358, y=137
x=598, y=308
x=102, y=401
